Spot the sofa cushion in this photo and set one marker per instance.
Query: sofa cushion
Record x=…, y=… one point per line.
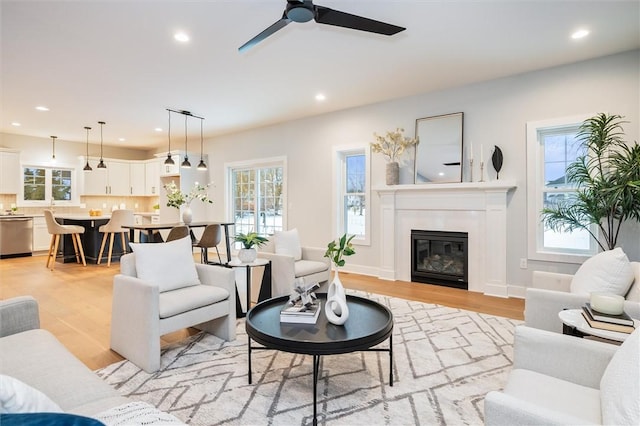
x=620, y=385
x=303, y=268
x=609, y=271
x=170, y=265
x=288, y=243
x=38, y=359
x=554, y=394
x=19, y=397
x=189, y=298
x=47, y=419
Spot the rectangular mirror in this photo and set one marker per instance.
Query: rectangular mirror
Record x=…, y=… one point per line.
x=438, y=156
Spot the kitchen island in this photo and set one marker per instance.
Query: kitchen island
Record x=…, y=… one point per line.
x=91, y=239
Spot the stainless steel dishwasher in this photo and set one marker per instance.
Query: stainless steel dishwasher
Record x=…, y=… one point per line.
x=16, y=236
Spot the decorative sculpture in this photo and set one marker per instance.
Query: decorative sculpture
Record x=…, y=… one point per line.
x=497, y=160
x=303, y=294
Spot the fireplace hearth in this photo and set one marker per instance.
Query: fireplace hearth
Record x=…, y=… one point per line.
x=440, y=257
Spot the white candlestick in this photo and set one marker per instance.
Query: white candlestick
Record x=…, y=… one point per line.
x=471, y=150
x=481, y=154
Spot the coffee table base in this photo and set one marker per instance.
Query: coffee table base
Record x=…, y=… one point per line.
x=316, y=369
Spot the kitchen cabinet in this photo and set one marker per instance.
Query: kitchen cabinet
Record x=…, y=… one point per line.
x=114, y=180
x=137, y=178
x=10, y=176
x=152, y=176
x=171, y=169
x=41, y=236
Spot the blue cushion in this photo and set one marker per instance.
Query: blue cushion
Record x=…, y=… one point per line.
x=47, y=419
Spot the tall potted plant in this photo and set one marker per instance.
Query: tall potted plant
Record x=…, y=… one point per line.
x=250, y=241
x=336, y=308
x=607, y=178
x=392, y=145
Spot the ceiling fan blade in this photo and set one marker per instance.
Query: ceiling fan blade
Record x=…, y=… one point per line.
x=278, y=25
x=325, y=15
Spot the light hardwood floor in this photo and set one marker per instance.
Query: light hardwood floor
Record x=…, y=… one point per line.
x=75, y=301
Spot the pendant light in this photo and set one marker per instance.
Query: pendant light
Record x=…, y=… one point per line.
x=185, y=164
x=101, y=164
x=169, y=161
x=87, y=167
x=53, y=155
x=201, y=165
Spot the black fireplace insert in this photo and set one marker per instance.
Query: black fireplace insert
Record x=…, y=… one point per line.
x=439, y=257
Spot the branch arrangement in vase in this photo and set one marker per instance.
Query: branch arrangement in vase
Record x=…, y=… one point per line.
x=176, y=198
x=393, y=144
x=336, y=250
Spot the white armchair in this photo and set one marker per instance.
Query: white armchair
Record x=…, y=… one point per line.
x=564, y=380
x=143, y=310
x=550, y=294
x=285, y=268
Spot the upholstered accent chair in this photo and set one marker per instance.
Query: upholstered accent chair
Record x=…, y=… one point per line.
x=565, y=380
x=159, y=290
x=289, y=260
x=552, y=292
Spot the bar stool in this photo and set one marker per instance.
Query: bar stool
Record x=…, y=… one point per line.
x=211, y=237
x=55, y=229
x=114, y=226
x=178, y=232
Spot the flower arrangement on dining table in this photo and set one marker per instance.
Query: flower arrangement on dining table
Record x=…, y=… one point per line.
x=177, y=198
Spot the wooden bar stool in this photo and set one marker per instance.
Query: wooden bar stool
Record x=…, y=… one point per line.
x=118, y=219
x=56, y=230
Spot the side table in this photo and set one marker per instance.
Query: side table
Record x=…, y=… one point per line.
x=265, y=285
x=573, y=323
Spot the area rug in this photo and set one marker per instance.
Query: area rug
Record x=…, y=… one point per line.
x=445, y=361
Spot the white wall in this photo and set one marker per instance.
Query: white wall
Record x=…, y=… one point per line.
x=495, y=113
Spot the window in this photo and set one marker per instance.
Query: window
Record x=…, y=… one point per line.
x=353, y=188
x=47, y=185
x=552, y=147
x=258, y=196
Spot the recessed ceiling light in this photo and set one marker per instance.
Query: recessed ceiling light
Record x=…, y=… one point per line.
x=441, y=174
x=42, y=108
x=158, y=129
x=15, y=123
x=579, y=34
x=121, y=139
x=320, y=97
x=181, y=37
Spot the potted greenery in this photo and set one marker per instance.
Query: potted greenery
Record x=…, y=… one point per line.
x=336, y=308
x=392, y=146
x=250, y=241
x=176, y=198
x=607, y=179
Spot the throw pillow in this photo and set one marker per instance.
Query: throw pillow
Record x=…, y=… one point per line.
x=170, y=265
x=620, y=387
x=288, y=243
x=19, y=397
x=609, y=271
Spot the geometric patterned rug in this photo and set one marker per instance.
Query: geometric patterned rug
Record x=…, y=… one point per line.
x=445, y=361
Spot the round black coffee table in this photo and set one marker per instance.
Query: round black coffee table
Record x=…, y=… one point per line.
x=369, y=324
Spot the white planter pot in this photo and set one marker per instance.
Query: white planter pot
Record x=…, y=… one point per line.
x=247, y=255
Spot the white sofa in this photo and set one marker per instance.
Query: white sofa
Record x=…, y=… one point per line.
x=313, y=266
x=36, y=358
x=564, y=380
x=550, y=294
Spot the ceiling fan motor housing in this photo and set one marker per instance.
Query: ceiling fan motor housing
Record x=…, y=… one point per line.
x=300, y=11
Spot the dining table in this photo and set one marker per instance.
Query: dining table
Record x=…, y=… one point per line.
x=152, y=231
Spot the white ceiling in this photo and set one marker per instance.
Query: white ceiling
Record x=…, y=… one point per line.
x=117, y=61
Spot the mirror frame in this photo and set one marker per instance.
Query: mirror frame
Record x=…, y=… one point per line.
x=454, y=133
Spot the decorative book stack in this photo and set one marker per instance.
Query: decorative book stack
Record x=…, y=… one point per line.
x=621, y=323
x=299, y=313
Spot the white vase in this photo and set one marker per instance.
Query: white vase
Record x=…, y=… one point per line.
x=247, y=255
x=336, y=309
x=187, y=215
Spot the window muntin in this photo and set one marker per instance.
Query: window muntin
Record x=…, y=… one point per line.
x=258, y=198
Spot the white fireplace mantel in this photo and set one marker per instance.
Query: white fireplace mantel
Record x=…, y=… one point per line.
x=477, y=208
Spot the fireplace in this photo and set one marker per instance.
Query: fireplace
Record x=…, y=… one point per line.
x=439, y=257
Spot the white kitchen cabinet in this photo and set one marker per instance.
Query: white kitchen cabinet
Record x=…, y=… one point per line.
x=152, y=176
x=96, y=180
x=137, y=178
x=41, y=236
x=118, y=177
x=10, y=175
x=171, y=169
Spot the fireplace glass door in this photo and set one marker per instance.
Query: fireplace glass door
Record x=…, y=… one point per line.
x=440, y=258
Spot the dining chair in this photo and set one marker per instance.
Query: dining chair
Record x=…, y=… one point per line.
x=114, y=226
x=56, y=230
x=178, y=232
x=211, y=237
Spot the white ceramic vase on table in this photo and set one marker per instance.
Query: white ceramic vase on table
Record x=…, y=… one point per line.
x=187, y=215
x=336, y=308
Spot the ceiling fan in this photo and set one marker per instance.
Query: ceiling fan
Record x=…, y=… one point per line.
x=305, y=10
